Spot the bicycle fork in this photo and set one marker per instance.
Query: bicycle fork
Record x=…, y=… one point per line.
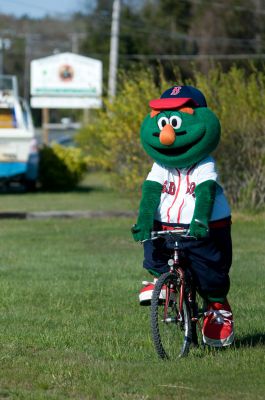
x=174, y=267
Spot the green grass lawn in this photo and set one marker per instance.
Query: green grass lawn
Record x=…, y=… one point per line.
x=71, y=326
x=94, y=193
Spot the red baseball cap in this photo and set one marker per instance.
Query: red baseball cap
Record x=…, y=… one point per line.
x=178, y=96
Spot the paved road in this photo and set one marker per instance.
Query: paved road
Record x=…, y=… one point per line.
x=64, y=214
x=62, y=136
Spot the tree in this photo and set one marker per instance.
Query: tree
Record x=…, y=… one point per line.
x=221, y=28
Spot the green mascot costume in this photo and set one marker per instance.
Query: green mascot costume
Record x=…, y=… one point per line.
x=182, y=189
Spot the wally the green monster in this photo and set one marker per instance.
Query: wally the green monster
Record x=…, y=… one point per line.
x=183, y=190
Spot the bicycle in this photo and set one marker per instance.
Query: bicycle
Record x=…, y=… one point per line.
x=175, y=310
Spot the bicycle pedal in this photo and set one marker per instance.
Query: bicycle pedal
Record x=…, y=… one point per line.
x=169, y=320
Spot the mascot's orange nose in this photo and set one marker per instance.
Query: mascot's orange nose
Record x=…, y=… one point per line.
x=167, y=135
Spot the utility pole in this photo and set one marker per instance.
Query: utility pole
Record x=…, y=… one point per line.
x=5, y=44
x=258, y=27
x=1, y=56
x=28, y=49
x=75, y=42
x=114, y=48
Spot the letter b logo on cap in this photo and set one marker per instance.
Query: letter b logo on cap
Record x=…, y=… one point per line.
x=175, y=91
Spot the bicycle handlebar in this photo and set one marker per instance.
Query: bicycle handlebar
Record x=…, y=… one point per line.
x=181, y=233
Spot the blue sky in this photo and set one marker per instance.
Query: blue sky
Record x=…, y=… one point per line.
x=39, y=8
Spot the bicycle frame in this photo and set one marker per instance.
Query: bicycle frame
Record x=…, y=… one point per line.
x=175, y=267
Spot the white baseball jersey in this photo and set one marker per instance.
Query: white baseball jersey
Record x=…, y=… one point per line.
x=178, y=199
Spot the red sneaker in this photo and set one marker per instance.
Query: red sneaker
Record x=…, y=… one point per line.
x=146, y=293
x=217, y=330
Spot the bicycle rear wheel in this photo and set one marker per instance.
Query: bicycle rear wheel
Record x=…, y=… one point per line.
x=171, y=329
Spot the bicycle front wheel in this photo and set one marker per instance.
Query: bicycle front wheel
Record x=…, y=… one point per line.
x=171, y=327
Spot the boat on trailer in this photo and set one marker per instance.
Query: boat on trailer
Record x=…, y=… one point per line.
x=19, y=155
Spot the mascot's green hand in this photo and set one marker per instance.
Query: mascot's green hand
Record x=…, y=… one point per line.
x=198, y=230
x=141, y=232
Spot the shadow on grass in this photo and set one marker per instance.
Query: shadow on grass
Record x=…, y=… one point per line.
x=249, y=341
x=20, y=189
x=254, y=340
x=258, y=339
x=88, y=189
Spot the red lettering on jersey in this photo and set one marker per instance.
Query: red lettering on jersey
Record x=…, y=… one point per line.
x=164, y=188
x=172, y=188
x=191, y=188
x=169, y=187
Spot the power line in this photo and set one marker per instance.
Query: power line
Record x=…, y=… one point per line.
x=155, y=32
x=183, y=36
x=190, y=57
x=138, y=27
x=171, y=35
x=45, y=40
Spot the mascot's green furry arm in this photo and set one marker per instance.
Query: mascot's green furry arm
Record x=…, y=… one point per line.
x=205, y=196
x=151, y=192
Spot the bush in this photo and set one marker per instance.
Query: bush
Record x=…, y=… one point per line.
x=61, y=168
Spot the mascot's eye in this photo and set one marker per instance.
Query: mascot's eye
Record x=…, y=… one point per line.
x=175, y=122
x=162, y=122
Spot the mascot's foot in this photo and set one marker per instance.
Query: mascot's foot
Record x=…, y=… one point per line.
x=218, y=325
x=146, y=293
